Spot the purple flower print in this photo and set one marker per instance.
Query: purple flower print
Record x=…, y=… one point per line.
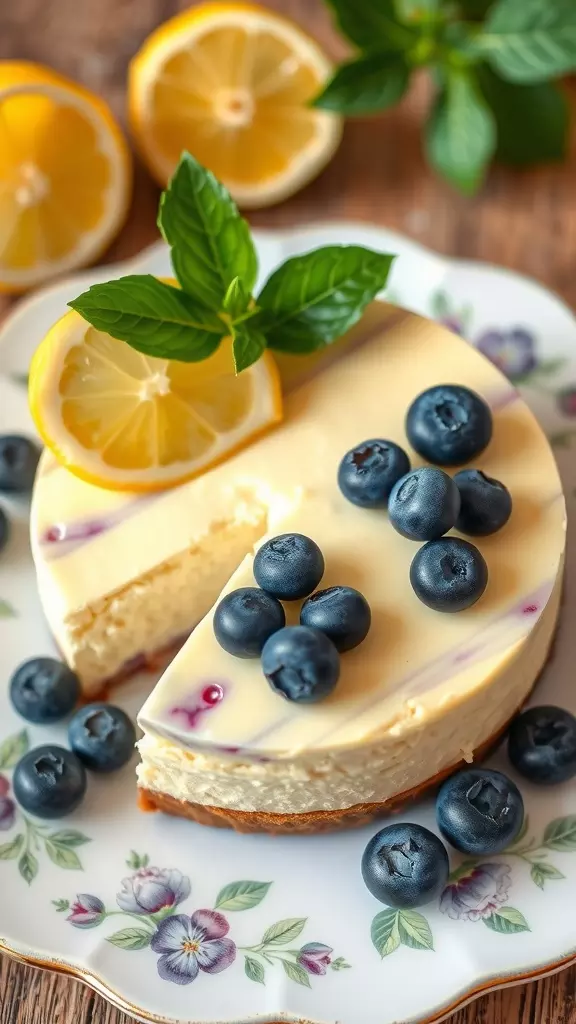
x=152, y=889
x=478, y=893
x=7, y=806
x=4, y=786
x=315, y=958
x=511, y=351
x=454, y=324
x=566, y=400
x=191, y=944
x=87, y=912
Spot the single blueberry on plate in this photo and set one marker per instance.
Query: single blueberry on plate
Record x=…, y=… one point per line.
x=289, y=566
x=369, y=471
x=542, y=744
x=405, y=866
x=4, y=529
x=301, y=664
x=102, y=736
x=485, y=503
x=479, y=811
x=424, y=504
x=244, y=620
x=449, y=424
x=342, y=613
x=18, y=461
x=448, y=575
x=43, y=690
x=49, y=782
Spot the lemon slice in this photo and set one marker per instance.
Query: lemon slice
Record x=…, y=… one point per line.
x=231, y=83
x=125, y=421
x=65, y=175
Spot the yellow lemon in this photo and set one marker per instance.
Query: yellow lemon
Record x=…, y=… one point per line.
x=232, y=83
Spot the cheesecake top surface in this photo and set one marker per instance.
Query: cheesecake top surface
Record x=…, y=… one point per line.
x=89, y=542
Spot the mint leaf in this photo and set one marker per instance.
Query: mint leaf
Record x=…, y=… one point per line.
x=532, y=120
x=210, y=242
x=236, y=299
x=312, y=299
x=152, y=317
x=461, y=132
x=247, y=347
x=369, y=23
x=365, y=85
x=418, y=11
x=530, y=40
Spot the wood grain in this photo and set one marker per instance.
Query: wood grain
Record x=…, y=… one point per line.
x=523, y=220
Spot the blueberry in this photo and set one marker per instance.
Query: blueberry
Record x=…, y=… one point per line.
x=485, y=504
x=479, y=811
x=449, y=424
x=49, y=782
x=289, y=566
x=369, y=471
x=542, y=745
x=424, y=504
x=18, y=461
x=44, y=690
x=449, y=574
x=102, y=736
x=405, y=866
x=301, y=664
x=245, y=619
x=342, y=613
x=4, y=529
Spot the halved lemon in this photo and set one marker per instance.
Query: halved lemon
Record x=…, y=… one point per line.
x=65, y=175
x=125, y=421
x=231, y=83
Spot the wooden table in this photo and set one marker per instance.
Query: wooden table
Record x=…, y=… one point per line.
x=526, y=221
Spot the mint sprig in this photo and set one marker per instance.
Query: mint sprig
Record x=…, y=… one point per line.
x=493, y=63
x=307, y=303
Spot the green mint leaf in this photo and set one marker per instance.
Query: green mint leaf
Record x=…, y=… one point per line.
x=210, y=242
x=461, y=133
x=369, y=23
x=530, y=40
x=236, y=299
x=248, y=345
x=312, y=299
x=532, y=120
x=152, y=317
x=370, y=83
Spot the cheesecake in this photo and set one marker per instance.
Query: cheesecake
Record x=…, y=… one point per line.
x=123, y=577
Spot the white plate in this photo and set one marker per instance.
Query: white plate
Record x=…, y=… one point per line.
x=304, y=930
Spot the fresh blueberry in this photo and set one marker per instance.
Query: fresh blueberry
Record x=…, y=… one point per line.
x=449, y=424
x=301, y=664
x=102, y=736
x=44, y=690
x=542, y=745
x=369, y=471
x=342, y=613
x=424, y=504
x=245, y=619
x=479, y=811
x=4, y=529
x=485, y=504
x=405, y=866
x=449, y=574
x=18, y=461
x=289, y=566
x=49, y=782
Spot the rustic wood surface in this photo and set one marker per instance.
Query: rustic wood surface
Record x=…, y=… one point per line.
x=526, y=221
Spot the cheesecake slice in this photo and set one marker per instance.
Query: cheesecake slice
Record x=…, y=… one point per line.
x=424, y=691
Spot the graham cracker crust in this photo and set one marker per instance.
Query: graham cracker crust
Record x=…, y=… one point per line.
x=310, y=822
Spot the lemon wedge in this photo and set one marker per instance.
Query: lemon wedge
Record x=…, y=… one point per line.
x=125, y=421
x=232, y=83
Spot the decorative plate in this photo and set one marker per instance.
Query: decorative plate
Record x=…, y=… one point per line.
x=263, y=928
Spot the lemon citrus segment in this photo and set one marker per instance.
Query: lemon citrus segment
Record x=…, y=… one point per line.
x=125, y=421
x=65, y=175
x=232, y=83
